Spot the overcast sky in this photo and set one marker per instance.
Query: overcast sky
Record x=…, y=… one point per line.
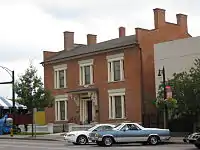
x=30, y=26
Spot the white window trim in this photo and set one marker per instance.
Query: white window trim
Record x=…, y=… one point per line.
x=59, y=98
x=83, y=63
x=112, y=58
x=56, y=79
x=112, y=93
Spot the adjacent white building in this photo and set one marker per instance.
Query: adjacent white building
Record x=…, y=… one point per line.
x=176, y=56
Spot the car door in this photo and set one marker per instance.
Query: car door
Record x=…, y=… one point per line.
x=122, y=134
x=134, y=134
x=129, y=133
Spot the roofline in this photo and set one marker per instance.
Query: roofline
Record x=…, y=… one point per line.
x=89, y=54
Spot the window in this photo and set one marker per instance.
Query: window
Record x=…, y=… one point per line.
x=115, y=67
x=61, y=108
x=117, y=104
x=129, y=127
x=100, y=128
x=107, y=128
x=86, y=72
x=60, y=76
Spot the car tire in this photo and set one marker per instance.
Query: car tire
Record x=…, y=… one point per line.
x=153, y=140
x=75, y=143
x=144, y=143
x=99, y=143
x=82, y=140
x=197, y=146
x=107, y=141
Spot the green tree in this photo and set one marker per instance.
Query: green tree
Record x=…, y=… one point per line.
x=30, y=91
x=186, y=90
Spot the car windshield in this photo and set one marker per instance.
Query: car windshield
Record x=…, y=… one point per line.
x=117, y=126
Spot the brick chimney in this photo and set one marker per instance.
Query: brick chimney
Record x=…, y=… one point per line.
x=122, y=31
x=159, y=17
x=182, y=21
x=68, y=40
x=91, y=39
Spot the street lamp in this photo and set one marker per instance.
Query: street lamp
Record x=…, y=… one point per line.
x=12, y=74
x=161, y=72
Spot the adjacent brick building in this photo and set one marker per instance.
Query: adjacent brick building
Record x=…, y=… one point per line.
x=109, y=81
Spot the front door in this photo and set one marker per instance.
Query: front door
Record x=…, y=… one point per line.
x=89, y=111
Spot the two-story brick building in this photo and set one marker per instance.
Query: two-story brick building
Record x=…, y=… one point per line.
x=108, y=81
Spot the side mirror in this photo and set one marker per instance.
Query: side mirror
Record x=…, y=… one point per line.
x=94, y=130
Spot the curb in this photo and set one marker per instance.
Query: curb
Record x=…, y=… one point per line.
x=36, y=139
x=175, y=143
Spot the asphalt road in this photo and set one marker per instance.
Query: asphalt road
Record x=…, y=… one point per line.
x=42, y=145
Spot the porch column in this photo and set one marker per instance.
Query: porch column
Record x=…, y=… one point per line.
x=95, y=105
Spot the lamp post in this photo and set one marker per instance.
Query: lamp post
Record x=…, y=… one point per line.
x=12, y=74
x=161, y=72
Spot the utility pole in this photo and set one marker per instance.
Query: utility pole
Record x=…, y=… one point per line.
x=164, y=96
x=13, y=95
x=12, y=74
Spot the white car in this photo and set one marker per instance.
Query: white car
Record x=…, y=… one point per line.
x=82, y=137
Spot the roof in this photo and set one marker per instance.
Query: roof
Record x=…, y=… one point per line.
x=6, y=104
x=102, y=46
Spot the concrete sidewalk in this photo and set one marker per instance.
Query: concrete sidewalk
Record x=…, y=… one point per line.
x=59, y=137
x=38, y=137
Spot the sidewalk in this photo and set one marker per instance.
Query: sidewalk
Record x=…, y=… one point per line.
x=59, y=137
x=38, y=137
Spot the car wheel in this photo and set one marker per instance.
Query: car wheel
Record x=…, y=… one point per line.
x=153, y=140
x=197, y=146
x=107, y=141
x=82, y=140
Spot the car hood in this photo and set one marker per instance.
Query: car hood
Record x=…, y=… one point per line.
x=78, y=132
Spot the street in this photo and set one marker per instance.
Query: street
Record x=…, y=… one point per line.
x=12, y=144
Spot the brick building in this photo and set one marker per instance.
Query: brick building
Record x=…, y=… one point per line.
x=109, y=81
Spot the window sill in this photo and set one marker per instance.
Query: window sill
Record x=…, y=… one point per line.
x=60, y=88
x=87, y=85
x=60, y=120
x=115, y=81
x=117, y=118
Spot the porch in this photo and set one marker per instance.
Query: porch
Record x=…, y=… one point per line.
x=86, y=101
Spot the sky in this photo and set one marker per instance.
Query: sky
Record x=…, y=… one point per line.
x=28, y=27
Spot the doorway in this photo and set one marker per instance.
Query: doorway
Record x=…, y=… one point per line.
x=89, y=111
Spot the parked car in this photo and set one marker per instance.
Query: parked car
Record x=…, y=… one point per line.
x=191, y=138
x=197, y=143
x=130, y=133
x=81, y=137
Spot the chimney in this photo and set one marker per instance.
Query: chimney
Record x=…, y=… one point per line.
x=68, y=40
x=159, y=17
x=91, y=39
x=182, y=21
x=122, y=31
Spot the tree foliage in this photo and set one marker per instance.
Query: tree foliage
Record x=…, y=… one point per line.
x=186, y=90
x=30, y=91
